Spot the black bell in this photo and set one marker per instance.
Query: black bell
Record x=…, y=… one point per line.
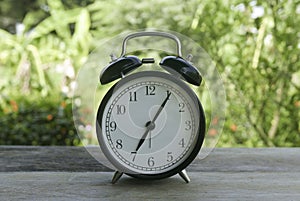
x=119, y=68
x=183, y=67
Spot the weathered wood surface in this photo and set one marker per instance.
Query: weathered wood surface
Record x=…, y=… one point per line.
x=70, y=173
x=77, y=159
x=81, y=186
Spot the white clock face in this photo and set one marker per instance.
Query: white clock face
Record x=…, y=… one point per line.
x=149, y=123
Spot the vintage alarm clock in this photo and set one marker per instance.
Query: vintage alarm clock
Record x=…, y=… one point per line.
x=150, y=124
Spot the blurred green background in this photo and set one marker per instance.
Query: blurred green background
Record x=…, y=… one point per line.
x=255, y=44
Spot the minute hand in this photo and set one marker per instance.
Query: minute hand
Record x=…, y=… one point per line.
x=161, y=107
x=150, y=125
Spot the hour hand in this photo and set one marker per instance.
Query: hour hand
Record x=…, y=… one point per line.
x=150, y=126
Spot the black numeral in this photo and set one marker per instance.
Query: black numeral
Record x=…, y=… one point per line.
x=181, y=107
x=121, y=109
x=132, y=96
x=119, y=144
x=113, y=126
x=169, y=157
x=181, y=143
x=188, y=125
x=150, y=90
x=151, y=161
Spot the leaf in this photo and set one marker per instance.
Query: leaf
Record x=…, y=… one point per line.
x=38, y=64
x=7, y=39
x=81, y=37
x=55, y=23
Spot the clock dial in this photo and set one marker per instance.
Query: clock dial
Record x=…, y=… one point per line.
x=150, y=123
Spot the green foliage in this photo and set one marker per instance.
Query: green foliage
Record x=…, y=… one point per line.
x=255, y=45
x=33, y=54
x=262, y=61
x=38, y=122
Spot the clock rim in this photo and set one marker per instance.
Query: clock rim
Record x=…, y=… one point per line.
x=199, y=135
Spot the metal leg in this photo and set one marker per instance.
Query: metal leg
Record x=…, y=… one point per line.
x=116, y=177
x=184, y=176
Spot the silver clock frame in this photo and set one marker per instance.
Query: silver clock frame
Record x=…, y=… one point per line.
x=180, y=168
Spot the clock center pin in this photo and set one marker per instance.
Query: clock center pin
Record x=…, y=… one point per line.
x=150, y=125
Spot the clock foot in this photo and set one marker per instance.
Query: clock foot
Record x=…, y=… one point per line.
x=116, y=177
x=184, y=176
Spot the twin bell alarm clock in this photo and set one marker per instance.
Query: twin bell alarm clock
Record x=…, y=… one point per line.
x=150, y=124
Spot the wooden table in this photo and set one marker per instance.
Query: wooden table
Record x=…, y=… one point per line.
x=70, y=173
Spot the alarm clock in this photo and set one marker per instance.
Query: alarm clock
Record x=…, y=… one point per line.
x=150, y=124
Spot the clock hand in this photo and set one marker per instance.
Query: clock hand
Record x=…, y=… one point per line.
x=150, y=124
x=150, y=140
x=161, y=107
